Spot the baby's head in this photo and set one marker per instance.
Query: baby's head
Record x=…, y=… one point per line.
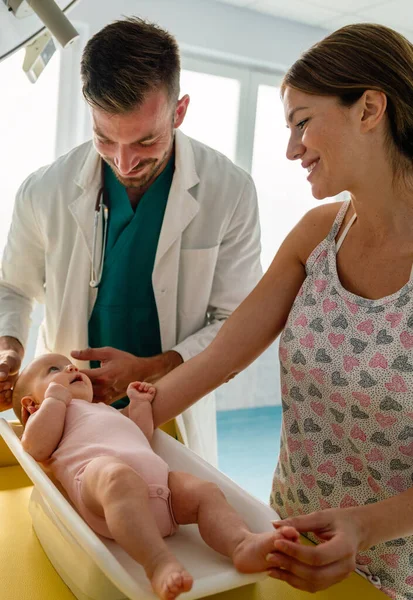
x=33, y=381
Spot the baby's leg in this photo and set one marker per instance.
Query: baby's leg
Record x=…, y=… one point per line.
x=221, y=527
x=113, y=490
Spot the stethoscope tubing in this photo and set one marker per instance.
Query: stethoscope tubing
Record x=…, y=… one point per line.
x=101, y=211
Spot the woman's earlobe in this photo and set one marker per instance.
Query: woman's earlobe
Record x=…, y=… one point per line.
x=375, y=105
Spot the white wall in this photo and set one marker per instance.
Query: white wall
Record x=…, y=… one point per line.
x=212, y=28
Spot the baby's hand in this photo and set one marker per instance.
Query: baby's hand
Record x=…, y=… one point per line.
x=58, y=392
x=141, y=391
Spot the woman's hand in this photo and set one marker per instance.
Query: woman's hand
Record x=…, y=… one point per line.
x=315, y=568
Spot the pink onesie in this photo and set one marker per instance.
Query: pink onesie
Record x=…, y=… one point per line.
x=93, y=430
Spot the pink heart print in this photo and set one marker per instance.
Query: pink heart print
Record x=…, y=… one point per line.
x=407, y=450
x=318, y=408
x=348, y=502
x=364, y=399
x=398, y=483
x=309, y=447
x=320, y=285
x=373, y=484
x=336, y=339
x=336, y=397
x=406, y=339
x=338, y=430
x=366, y=327
x=358, y=434
x=397, y=384
x=394, y=319
x=356, y=462
x=293, y=445
x=391, y=559
x=349, y=362
x=307, y=341
x=318, y=375
x=328, y=305
x=298, y=375
x=329, y=468
x=301, y=320
x=385, y=420
x=353, y=308
x=284, y=390
x=374, y=455
x=308, y=480
x=324, y=504
x=378, y=360
x=409, y=580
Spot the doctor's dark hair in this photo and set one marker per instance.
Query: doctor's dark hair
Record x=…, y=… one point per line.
x=127, y=59
x=361, y=57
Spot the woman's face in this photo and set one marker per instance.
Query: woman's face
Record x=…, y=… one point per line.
x=325, y=137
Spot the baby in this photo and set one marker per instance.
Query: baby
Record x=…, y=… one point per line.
x=122, y=489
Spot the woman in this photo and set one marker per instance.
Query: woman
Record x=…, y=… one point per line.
x=340, y=290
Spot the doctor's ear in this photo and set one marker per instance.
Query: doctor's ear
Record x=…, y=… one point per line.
x=180, y=111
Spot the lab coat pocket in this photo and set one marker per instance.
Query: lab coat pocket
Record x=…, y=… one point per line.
x=196, y=275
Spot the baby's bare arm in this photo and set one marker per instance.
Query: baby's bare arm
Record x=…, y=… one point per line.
x=141, y=395
x=44, y=428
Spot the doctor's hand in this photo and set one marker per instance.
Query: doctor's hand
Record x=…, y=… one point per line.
x=315, y=568
x=11, y=353
x=117, y=369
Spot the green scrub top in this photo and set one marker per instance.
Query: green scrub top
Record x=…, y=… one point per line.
x=125, y=314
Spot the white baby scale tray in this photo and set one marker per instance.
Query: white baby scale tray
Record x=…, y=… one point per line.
x=95, y=568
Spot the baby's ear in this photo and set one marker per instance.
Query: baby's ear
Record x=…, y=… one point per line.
x=29, y=407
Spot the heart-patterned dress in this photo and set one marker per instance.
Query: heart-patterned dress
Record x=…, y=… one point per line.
x=347, y=397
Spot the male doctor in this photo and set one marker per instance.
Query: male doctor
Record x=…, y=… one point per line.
x=174, y=249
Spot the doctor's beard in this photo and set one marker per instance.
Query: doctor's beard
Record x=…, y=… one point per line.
x=143, y=182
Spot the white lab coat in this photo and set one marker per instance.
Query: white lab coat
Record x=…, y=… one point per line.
x=207, y=260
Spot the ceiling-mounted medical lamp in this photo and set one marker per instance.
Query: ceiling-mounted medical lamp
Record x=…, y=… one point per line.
x=41, y=47
x=50, y=14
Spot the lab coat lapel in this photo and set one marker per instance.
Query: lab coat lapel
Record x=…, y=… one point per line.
x=83, y=207
x=181, y=208
x=78, y=298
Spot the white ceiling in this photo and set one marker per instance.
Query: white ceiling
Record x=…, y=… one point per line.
x=332, y=14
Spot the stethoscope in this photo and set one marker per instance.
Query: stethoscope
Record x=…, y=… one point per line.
x=101, y=212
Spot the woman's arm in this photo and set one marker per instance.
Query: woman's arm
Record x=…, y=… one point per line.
x=44, y=428
x=252, y=327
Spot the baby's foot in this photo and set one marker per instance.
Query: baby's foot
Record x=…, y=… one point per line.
x=250, y=554
x=141, y=391
x=169, y=579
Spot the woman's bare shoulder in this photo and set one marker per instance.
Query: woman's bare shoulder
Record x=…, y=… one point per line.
x=314, y=227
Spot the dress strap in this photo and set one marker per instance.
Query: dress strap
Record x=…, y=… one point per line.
x=345, y=232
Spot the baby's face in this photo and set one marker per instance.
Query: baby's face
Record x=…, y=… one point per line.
x=55, y=368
